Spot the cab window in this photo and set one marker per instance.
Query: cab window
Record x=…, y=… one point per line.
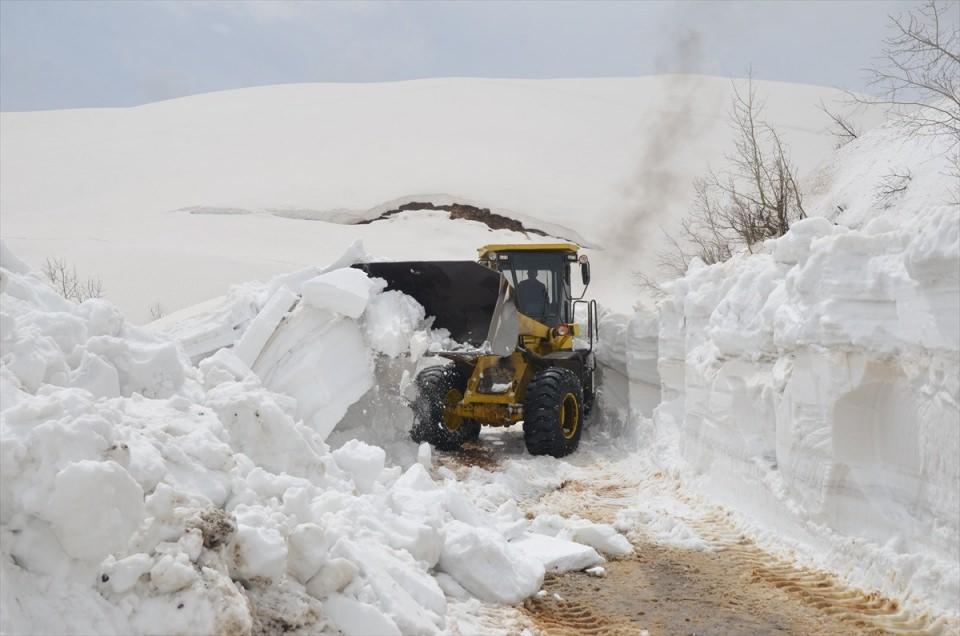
x=539, y=282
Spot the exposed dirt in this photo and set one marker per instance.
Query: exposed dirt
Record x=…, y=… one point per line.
x=667, y=590
x=735, y=587
x=732, y=587
x=472, y=454
x=462, y=211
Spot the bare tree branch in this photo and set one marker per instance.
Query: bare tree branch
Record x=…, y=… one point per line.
x=843, y=129
x=67, y=282
x=756, y=198
x=918, y=72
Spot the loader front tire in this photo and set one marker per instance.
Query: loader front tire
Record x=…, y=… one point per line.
x=553, y=413
x=437, y=388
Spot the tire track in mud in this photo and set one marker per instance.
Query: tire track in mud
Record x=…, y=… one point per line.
x=851, y=609
x=817, y=588
x=821, y=602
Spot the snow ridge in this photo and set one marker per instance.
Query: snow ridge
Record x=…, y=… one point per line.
x=815, y=382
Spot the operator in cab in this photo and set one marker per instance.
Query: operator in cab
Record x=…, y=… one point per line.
x=532, y=296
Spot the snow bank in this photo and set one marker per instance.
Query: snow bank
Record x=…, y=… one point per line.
x=815, y=382
x=141, y=494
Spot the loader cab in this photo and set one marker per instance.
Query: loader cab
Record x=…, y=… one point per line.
x=540, y=277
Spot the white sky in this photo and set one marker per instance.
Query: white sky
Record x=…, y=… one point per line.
x=81, y=54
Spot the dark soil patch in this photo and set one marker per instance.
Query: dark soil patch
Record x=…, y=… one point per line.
x=462, y=211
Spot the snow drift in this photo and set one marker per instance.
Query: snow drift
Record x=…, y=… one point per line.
x=141, y=494
x=815, y=382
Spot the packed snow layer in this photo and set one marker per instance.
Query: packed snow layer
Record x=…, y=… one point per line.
x=246, y=184
x=815, y=382
x=141, y=494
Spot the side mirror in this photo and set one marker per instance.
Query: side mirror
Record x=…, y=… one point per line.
x=585, y=273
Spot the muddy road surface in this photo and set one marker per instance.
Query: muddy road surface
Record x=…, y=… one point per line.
x=726, y=584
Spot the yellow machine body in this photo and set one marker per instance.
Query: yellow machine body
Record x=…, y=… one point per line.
x=469, y=300
x=514, y=372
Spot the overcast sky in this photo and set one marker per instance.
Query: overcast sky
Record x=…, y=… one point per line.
x=81, y=54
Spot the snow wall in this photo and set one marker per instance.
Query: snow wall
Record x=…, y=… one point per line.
x=814, y=385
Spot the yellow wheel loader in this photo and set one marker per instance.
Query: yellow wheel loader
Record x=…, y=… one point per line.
x=523, y=357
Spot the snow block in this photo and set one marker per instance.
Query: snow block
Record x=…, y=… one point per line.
x=251, y=343
x=362, y=461
x=344, y=291
x=602, y=537
x=390, y=322
x=95, y=508
x=491, y=569
x=557, y=555
x=354, y=618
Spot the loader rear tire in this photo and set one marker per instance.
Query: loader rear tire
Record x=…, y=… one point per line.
x=553, y=413
x=437, y=388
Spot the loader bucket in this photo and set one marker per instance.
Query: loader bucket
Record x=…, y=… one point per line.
x=462, y=296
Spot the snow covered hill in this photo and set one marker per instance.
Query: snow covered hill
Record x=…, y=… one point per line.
x=172, y=202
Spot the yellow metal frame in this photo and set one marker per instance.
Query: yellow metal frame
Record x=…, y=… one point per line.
x=505, y=409
x=526, y=247
x=496, y=409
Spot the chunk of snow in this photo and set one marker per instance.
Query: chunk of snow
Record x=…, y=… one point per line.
x=557, y=555
x=319, y=360
x=482, y=561
x=258, y=551
x=223, y=366
x=354, y=618
x=123, y=574
x=94, y=508
x=363, y=462
x=171, y=573
x=602, y=537
x=425, y=455
x=262, y=327
x=390, y=321
x=344, y=291
x=307, y=546
x=335, y=575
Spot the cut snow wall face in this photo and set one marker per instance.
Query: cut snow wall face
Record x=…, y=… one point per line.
x=626, y=376
x=819, y=378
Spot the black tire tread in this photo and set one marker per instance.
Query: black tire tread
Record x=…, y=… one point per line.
x=432, y=386
x=541, y=425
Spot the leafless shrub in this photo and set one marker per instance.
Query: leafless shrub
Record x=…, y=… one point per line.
x=953, y=172
x=918, y=72
x=842, y=128
x=68, y=283
x=891, y=186
x=156, y=311
x=756, y=198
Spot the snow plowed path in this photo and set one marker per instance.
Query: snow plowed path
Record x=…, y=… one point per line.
x=693, y=570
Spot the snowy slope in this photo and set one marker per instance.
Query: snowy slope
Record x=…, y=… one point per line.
x=813, y=386
x=171, y=202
